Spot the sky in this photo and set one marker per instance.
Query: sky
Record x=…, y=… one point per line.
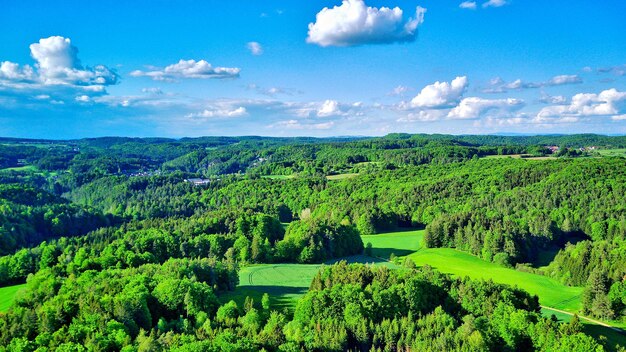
x=73, y=69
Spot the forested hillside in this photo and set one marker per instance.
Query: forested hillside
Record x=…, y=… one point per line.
x=132, y=244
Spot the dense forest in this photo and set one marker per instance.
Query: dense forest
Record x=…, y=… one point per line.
x=131, y=244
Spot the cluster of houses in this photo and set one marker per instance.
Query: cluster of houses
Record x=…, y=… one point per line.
x=555, y=148
x=198, y=181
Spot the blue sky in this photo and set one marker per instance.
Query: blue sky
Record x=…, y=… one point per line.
x=73, y=69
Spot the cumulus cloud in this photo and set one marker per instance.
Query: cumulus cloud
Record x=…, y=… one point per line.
x=219, y=112
x=610, y=102
x=497, y=85
x=11, y=71
x=553, y=99
x=83, y=98
x=470, y=5
x=329, y=108
x=188, y=69
x=56, y=64
x=255, y=48
x=152, y=90
x=474, y=107
x=440, y=94
x=564, y=79
x=495, y=3
x=424, y=116
x=400, y=90
x=298, y=125
x=272, y=91
x=355, y=23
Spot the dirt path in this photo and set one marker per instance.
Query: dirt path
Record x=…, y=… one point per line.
x=597, y=322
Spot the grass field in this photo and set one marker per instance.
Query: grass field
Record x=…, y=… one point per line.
x=26, y=168
x=520, y=156
x=285, y=283
x=551, y=293
x=612, y=152
x=7, y=296
x=514, y=156
x=448, y=260
x=278, y=177
x=341, y=176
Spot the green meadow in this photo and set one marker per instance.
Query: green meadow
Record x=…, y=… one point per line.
x=7, y=296
x=612, y=152
x=285, y=283
x=551, y=292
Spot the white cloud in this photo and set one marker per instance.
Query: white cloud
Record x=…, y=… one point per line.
x=424, y=116
x=400, y=90
x=56, y=64
x=564, y=79
x=355, y=23
x=297, y=125
x=83, y=98
x=441, y=94
x=219, y=112
x=474, y=107
x=553, y=99
x=329, y=108
x=619, y=117
x=188, y=69
x=608, y=102
x=13, y=72
x=471, y=5
x=497, y=85
x=255, y=48
x=326, y=108
x=152, y=90
x=495, y=3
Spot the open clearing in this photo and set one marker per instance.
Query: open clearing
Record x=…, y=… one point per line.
x=285, y=283
x=551, y=293
x=521, y=156
x=278, y=177
x=25, y=168
x=341, y=176
x=448, y=260
x=612, y=152
x=7, y=296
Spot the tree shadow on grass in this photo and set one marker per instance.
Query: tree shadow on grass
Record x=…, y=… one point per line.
x=386, y=252
x=280, y=296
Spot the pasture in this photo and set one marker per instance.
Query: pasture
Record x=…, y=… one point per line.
x=7, y=296
x=341, y=176
x=448, y=260
x=612, y=152
x=285, y=283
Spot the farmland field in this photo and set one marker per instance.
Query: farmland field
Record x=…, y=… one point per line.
x=612, y=152
x=7, y=296
x=341, y=176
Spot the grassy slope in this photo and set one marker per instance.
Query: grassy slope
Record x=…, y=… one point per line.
x=551, y=292
x=285, y=283
x=7, y=296
x=612, y=152
x=447, y=260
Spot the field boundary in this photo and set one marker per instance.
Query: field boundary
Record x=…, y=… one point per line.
x=597, y=322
